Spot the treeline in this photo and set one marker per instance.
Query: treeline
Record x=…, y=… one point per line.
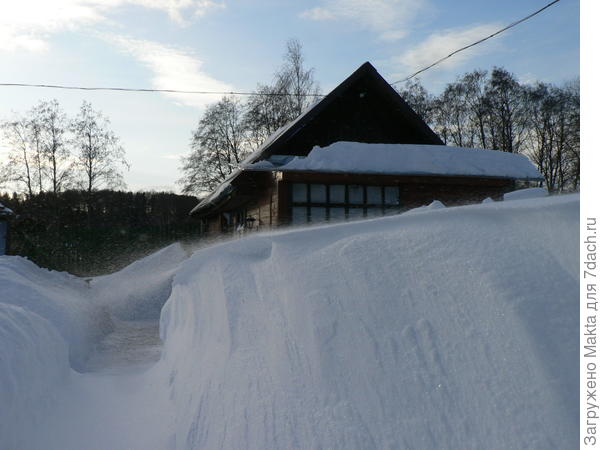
x=49, y=151
x=91, y=234
x=494, y=110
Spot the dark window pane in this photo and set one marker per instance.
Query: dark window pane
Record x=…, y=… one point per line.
x=318, y=194
x=317, y=214
x=355, y=194
x=355, y=213
x=299, y=193
x=374, y=195
x=374, y=212
x=392, y=195
x=337, y=193
x=299, y=215
x=337, y=213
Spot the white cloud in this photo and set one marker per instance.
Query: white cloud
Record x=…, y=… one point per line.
x=173, y=68
x=389, y=18
x=442, y=43
x=27, y=24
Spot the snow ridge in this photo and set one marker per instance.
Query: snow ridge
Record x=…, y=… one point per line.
x=400, y=332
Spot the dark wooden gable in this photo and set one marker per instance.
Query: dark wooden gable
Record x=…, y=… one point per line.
x=363, y=108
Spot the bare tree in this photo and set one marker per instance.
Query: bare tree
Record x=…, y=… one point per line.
x=292, y=91
x=505, y=100
x=20, y=163
x=218, y=145
x=53, y=144
x=478, y=116
x=297, y=81
x=554, y=134
x=418, y=98
x=98, y=153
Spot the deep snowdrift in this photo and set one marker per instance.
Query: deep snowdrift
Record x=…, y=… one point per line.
x=50, y=324
x=450, y=328
x=443, y=328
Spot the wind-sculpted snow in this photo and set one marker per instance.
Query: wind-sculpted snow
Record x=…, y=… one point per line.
x=451, y=328
x=447, y=328
x=63, y=300
x=33, y=364
x=50, y=324
x=140, y=290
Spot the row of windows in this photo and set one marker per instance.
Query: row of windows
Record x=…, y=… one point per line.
x=342, y=194
x=305, y=214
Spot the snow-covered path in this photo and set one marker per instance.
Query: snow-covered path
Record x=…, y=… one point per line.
x=108, y=411
x=134, y=345
x=116, y=402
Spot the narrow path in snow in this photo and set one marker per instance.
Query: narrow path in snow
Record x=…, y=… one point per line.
x=115, y=403
x=132, y=346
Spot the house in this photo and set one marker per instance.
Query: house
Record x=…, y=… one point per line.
x=360, y=151
x=5, y=214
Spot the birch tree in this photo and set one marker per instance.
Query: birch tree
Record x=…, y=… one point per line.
x=98, y=154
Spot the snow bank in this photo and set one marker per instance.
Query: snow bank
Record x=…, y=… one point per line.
x=409, y=159
x=33, y=362
x=47, y=325
x=522, y=194
x=140, y=290
x=62, y=299
x=452, y=328
x=50, y=323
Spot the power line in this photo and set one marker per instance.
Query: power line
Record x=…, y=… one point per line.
x=477, y=42
x=170, y=91
x=273, y=94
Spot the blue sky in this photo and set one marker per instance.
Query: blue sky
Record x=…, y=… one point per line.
x=219, y=45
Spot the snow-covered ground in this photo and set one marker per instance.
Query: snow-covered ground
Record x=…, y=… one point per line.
x=442, y=328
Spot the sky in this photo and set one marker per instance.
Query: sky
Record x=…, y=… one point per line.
x=229, y=45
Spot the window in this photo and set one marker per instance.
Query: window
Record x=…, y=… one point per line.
x=392, y=195
x=374, y=212
x=299, y=215
x=316, y=203
x=337, y=213
x=318, y=193
x=355, y=213
x=317, y=214
x=337, y=193
x=355, y=194
x=374, y=195
x=299, y=193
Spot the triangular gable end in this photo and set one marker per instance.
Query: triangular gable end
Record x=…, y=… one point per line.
x=363, y=108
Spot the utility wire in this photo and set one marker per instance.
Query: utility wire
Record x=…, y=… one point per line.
x=173, y=91
x=477, y=42
x=275, y=94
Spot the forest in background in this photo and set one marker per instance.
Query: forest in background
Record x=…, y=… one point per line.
x=86, y=236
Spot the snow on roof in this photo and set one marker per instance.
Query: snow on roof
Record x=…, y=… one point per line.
x=5, y=211
x=408, y=159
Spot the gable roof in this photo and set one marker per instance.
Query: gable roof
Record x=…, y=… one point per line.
x=280, y=137
x=275, y=144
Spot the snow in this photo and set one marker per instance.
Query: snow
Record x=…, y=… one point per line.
x=526, y=194
x=5, y=210
x=408, y=159
x=58, y=332
x=446, y=328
